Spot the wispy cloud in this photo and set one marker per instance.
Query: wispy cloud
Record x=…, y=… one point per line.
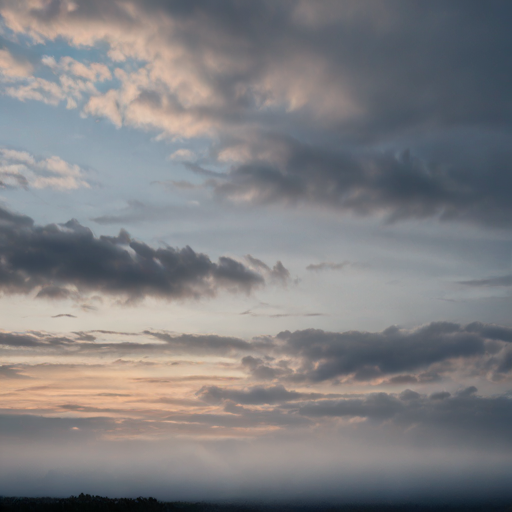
x=505, y=280
x=318, y=267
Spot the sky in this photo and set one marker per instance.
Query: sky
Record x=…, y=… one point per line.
x=256, y=250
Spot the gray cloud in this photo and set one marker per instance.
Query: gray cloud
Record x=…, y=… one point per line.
x=32, y=340
x=399, y=186
x=366, y=356
x=279, y=274
x=261, y=370
x=465, y=413
x=137, y=212
x=490, y=282
x=257, y=395
x=8, y=371
x=87, y=344
x=65, y=259
x=203, y=344
x=403, y=379
x=318, y=267
x=395, y=356
x=281, y=315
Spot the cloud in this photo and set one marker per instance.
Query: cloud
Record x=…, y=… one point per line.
x=23, y=170
x=278, y=274
x=490, y=282
x=257, y=395
x=94, y=343
x=94, y=72
x=137, y=211
x=63, y=260
x=11, y=67
x=8, y=371
x=244, y=59
x=393, y=185
x=466, y=414
x=273, y=86
x=318, y=267
x=75, y=80
x=203, y=344
x=376, y=406
x=32, y=340
x=281, y=315
x=366, y=356
x=261, y=370
x=437, y=352
x=403, y=379
x=183, y=155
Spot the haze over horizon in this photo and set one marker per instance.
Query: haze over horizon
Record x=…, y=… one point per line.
x=256, y=250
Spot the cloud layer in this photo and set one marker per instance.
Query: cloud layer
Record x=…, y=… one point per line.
x=206, y=401
x=393, y=109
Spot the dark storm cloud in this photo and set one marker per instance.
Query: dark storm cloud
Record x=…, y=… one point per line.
x=365, y=356
x=56, y=257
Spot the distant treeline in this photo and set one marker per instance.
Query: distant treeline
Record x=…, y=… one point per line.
x=86, y=503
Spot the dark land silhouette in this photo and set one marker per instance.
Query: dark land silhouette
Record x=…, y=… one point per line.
x=86, y=503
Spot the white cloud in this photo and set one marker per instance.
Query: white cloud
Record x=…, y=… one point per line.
x=21, y=169
x=75, y=80
x=94, y=72
x=183, y=155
